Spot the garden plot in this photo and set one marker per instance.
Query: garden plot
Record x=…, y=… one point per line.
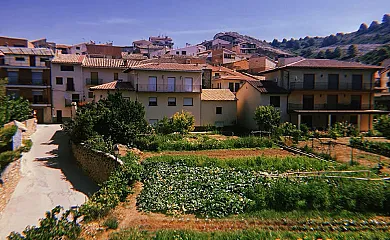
x=343, y=153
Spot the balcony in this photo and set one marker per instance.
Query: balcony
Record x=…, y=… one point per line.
x=168, y=88
x=328, y=86
x=325, y=106
x=38, y=101
x=93, y=82
x=27, y=84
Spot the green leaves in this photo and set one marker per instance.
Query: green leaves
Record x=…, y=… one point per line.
x=382, y=124
x=14, y=109
x=267, y=118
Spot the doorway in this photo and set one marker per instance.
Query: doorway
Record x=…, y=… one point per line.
x=39, y=115
x=59, y=116
x=32, y=61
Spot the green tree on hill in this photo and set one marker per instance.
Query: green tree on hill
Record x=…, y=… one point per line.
x=337, y=53
x=352, y=51
x=328, y=54
x=321, y=54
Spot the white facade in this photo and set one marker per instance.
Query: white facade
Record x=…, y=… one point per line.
x=188, y=51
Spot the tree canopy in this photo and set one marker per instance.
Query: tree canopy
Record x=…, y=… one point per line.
x=267, y=118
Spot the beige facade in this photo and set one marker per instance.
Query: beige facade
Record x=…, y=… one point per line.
x=323, y=92
x=226, y=115
x=249, y=98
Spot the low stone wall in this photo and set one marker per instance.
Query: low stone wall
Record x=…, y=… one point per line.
x=96, y=164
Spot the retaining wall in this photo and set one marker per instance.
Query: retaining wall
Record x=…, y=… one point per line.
x=97, y=165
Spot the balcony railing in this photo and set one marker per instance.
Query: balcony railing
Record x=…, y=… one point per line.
x=30, y=82
x=351, y=106
x=168, y=88
x=38, y=100
x=329, y=86
x=93, y=82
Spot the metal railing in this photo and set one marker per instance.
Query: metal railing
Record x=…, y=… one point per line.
x=70, y=87
x=168, y=88
x=27, y=82
x=325, y=106
x=38, y=101
x=93, y=82
x=329, y=86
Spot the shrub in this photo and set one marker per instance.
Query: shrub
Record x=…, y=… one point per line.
x=14, y=109
x=382, y=124
x=289, y=129
x=114, y=118
x=6, y=135
x=183, y=122
x=267, y=118
x=114, y=190
x=52, y=226
x=111, y=223
x=27, y=145
x=7, y=157
x=99, y=143
x=381, y=148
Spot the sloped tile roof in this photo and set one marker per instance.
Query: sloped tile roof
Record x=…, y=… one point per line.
x=265, y=86
x=217, y=95
x=330, y=63
x=26, y=51
x=68, y=58
x=108, y=63
x=115, y=85
x=176, y=67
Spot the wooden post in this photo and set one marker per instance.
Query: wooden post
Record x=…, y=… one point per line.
x=299, y=121
x=351, y=155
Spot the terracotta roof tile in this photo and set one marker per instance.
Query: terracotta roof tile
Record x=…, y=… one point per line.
x=176, y=67
x=329, y=63
x=68, y=58
x=109, y=63
x=115, y=85
x=265, y=86
x=217, y=95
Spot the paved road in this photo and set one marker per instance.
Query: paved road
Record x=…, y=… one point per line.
x=49, y=177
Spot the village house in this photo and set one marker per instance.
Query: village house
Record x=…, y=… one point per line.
x=189, y=50
x=13, y=42
x=28, y=74
x=323, y=92
x=72, y=76
x=382, y=97
x=167, y=88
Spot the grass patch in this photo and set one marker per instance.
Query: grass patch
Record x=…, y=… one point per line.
x=245, y=234
x=111, y=223
x=177, y=142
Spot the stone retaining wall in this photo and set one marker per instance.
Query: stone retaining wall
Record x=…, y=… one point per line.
x=96, y=164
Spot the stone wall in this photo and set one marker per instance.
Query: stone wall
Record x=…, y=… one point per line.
x=96, y=164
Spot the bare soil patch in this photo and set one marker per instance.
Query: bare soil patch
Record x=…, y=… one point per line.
x=10, y=178
x=225, y=153
x=344, y=153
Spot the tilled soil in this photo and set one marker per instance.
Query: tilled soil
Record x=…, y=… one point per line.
x=226, y=153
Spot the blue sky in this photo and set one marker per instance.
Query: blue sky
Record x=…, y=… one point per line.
x=186, y=21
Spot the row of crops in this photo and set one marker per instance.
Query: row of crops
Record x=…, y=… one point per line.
x=218, y=188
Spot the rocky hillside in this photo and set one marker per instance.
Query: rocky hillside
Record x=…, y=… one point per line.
x=345, y=46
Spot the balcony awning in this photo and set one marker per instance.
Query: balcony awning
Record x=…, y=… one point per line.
x=370, y=111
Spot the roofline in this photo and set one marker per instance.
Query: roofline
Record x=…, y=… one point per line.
x=248, y=82
x=161, y=70
x=373, y=68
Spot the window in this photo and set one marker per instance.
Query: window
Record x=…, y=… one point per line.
x=308, y=102
x=116, y=76
x=75, y=97
x=188, y=84
x=236, y=87
x=90, y=94
x=153, y=121
x=171, y=84
x=152, y=101
x=44, y=59
x=14, y=93
x=231, y=86
x=274, y=101
x=177, y=52
x=218, y=110
x=20, y=59
x=356, y=102
x=13, y=77
x=357, y=81
x=59, y=81
x=217, y=75
x=37, y=78
x=69, y=84
x=187, y=102
x=353, y=119
x=67, y=68
x=77, y=48
x=183, y=52
x=171, y=101
x=308, y=81
x=333, y=81
x=37, y=96
x=152, y=84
